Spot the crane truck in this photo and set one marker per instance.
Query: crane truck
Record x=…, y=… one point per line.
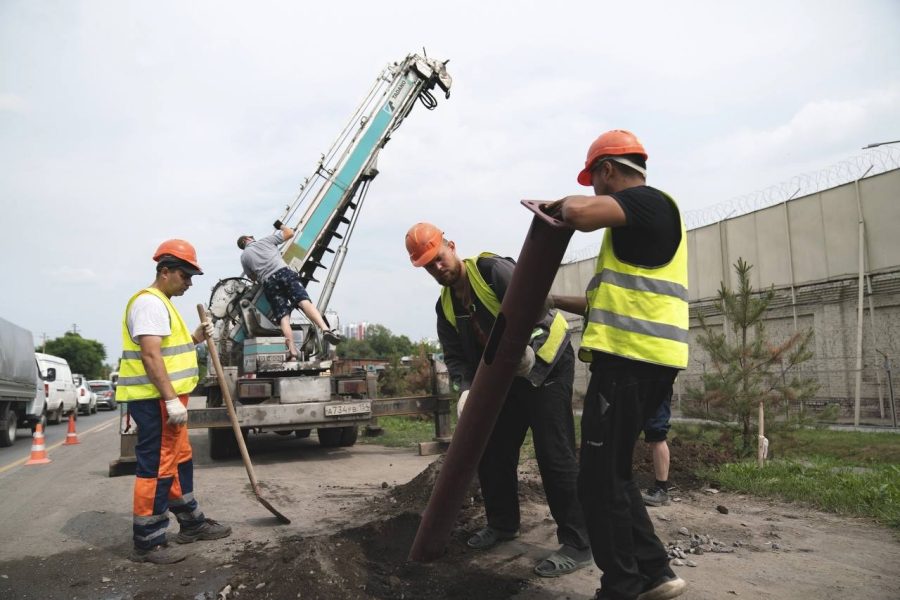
x=271, y=391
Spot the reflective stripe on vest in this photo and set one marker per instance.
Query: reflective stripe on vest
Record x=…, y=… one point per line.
x=638, y=312
x=547, y=350
x=178, y=353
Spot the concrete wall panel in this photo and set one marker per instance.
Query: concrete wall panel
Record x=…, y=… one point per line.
x=741, y=233
x=808, y=239
x=881, y=211
x=773, y=263
x=840, y=218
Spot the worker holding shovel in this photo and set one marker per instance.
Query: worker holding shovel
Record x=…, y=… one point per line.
x=157, y=372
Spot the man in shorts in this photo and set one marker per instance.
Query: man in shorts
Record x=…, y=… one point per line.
x=656, y=429
x=262, y=262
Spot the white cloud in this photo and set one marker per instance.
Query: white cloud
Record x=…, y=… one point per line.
x=12, y=103
x=76, y=276
x=125, y=124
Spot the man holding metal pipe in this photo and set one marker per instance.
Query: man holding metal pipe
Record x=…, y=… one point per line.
x=540, y=396
x=635, y=337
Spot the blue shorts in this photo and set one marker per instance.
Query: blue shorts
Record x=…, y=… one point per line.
x=284, y=292
x=656, y=429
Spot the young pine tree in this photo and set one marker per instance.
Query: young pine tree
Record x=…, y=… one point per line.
x=750, y=375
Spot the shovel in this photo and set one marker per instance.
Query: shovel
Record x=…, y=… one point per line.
x=232, y=415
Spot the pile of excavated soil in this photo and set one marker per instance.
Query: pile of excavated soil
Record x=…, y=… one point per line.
x=364, y=562
x=686, y=458
x=371, y=561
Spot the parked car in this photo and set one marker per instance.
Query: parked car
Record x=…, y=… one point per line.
x=106, y=395
x=87, y=399
x=62, y=399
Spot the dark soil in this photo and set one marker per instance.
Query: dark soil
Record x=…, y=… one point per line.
x=366, y=562
x=370, y=561
x=686, y=458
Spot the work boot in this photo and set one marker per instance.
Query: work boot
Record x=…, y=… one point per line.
x=161, y=554
x=208, y=530
x=656, y=496
x=664, y=588
x=333, y=336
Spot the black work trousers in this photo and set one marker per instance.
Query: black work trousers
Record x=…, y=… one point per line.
x=621, y=395
x=547, y=410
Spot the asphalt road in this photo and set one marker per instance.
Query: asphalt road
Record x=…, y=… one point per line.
x=54, y=436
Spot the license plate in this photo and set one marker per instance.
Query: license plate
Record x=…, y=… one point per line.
x=355, y=408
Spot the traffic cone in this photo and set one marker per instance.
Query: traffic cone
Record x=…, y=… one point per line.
x=71, y=436
x=38, y=451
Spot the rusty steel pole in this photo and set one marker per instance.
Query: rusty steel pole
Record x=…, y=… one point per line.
x=522, y=306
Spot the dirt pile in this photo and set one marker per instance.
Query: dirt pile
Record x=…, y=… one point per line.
x=686, y=458
x=362, y=563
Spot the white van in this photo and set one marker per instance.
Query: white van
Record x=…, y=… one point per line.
x=62, y=399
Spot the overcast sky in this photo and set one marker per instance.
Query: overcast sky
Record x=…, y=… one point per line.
x=126, y=123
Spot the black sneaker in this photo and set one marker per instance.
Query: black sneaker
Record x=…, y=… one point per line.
x=333, y=337
x=656, y=496
x=209, y=530
x=664, y=588
x=161, y=554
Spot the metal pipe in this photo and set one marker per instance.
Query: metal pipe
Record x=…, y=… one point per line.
x=859, y=310
x=523, y=303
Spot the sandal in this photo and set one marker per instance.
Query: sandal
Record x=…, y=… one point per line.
x=560, y=564
x=488, y=537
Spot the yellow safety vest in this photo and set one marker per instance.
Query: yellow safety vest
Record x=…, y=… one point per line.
x=178, y=353
x=547, y=349
x=640, y=313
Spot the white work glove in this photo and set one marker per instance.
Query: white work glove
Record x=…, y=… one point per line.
x=177, y=412
x=461, y=403
x=526, y=363
x=204, y=332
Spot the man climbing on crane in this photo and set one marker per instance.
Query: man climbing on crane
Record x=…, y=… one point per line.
x=262, y=261
x=540, y=397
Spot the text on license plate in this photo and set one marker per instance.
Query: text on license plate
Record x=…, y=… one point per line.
x=355, y=408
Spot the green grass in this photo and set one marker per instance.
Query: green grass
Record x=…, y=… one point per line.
x=404, y=432
x=847, y=473
x=825, y=483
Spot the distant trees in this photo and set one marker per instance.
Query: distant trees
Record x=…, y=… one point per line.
x=379, y=342
x=83, y=355
x=397, y=379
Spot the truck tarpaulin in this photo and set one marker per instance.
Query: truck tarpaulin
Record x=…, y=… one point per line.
x=17, y=364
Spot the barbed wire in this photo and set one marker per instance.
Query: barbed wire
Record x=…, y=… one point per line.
x=872, y=162
x=875, y=161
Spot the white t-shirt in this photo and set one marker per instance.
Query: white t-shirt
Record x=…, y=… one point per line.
x=148, y=315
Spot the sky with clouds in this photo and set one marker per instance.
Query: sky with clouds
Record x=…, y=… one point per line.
x=124, y=123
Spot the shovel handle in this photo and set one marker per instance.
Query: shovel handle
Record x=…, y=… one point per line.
x=226, y=394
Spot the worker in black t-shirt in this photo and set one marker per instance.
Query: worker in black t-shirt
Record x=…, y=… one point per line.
x=635, y=337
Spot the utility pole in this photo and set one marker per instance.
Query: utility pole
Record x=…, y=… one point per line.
x=44, y=343
x=75, y=328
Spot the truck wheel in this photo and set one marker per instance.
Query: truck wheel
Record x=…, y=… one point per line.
x=329, y=437
x=302, y=433
x=9, y=422
x=222, y=444
x=349, y=435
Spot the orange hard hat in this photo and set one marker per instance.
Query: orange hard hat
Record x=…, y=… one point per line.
x=612, y=143
x=179, y=249
x=423, y=241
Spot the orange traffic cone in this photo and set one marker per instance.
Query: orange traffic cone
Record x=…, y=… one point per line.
x=38, y=451
x=71, y=436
